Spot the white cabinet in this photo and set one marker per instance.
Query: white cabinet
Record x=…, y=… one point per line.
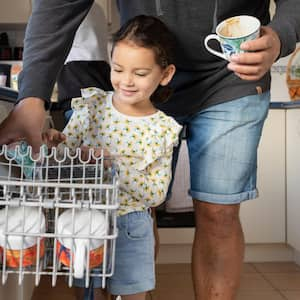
x=293, y=178
x=264, y=218
x=15, y=11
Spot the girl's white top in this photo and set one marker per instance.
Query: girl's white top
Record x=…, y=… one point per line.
x=143, y=146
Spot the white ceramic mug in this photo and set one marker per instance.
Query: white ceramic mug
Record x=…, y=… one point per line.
x=231, y=33
x=86, y=223
x=27, y=220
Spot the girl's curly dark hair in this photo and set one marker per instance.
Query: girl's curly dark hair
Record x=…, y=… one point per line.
x=150, y=32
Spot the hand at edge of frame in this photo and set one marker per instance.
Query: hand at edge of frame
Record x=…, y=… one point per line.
x=25, y=122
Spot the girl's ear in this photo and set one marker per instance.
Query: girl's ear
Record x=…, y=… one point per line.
x=168, y=73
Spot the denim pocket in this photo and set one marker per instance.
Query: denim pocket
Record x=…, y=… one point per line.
x=138, y=226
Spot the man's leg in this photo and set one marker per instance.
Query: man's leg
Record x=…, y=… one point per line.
x=218, y=251
x=222, y=142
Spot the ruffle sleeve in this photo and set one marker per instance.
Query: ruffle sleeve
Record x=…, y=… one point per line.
x=84, y=107
x=92, y=93
x=160, y=143
x=82, y=118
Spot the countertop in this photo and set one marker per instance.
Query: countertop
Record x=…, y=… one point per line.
x=8, y=94
x=285, y=105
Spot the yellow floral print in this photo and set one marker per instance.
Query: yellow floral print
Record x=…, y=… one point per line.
x=143, y=146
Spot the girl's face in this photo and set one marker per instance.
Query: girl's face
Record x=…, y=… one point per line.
x=135, y=75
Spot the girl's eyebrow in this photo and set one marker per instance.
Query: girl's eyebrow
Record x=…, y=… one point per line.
x=135, y=69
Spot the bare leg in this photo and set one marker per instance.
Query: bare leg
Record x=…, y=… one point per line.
x=218, y=251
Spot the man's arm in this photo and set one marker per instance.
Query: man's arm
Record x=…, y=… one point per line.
x=48, y=39
x=286, y=23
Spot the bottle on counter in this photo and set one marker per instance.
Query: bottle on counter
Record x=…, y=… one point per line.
x=14, y=74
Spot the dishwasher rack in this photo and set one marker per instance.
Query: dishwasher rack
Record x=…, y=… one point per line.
x=51, y=183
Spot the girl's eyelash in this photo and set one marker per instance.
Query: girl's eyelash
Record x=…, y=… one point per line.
x=138, y=74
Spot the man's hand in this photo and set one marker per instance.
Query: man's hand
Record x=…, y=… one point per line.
x=25, y=121
x=262, y=53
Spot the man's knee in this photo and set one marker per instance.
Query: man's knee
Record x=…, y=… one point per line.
x=217, y=219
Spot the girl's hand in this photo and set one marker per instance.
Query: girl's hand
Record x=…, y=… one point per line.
x=96, y=152
x=263, y=51
x=53, y=137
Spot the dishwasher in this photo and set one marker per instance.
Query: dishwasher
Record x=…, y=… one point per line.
x=43, y=199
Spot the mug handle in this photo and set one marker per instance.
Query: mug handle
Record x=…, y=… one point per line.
x=213, y=37
x=79, y=258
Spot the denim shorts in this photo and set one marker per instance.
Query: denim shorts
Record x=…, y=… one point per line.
x=222, y=143
x=134, y=261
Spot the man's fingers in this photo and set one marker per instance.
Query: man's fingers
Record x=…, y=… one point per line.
x=36, y=143
x=248, y=58
x=261, y=44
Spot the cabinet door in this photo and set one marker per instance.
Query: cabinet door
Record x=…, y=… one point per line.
x=15, y=11
x=293, y=177
x=263, y=219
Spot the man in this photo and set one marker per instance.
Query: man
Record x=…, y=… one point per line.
x=223, y=106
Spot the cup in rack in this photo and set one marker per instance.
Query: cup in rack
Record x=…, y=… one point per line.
x=80, y=236
x=21, y=236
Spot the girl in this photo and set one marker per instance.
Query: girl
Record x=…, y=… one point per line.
x=126, y=124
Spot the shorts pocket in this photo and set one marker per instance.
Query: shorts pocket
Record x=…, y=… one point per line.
x=138, y=227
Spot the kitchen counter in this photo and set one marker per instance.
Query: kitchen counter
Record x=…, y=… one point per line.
x=285, y=105
x=8, y=94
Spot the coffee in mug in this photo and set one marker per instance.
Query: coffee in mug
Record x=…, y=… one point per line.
x=231, y=33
